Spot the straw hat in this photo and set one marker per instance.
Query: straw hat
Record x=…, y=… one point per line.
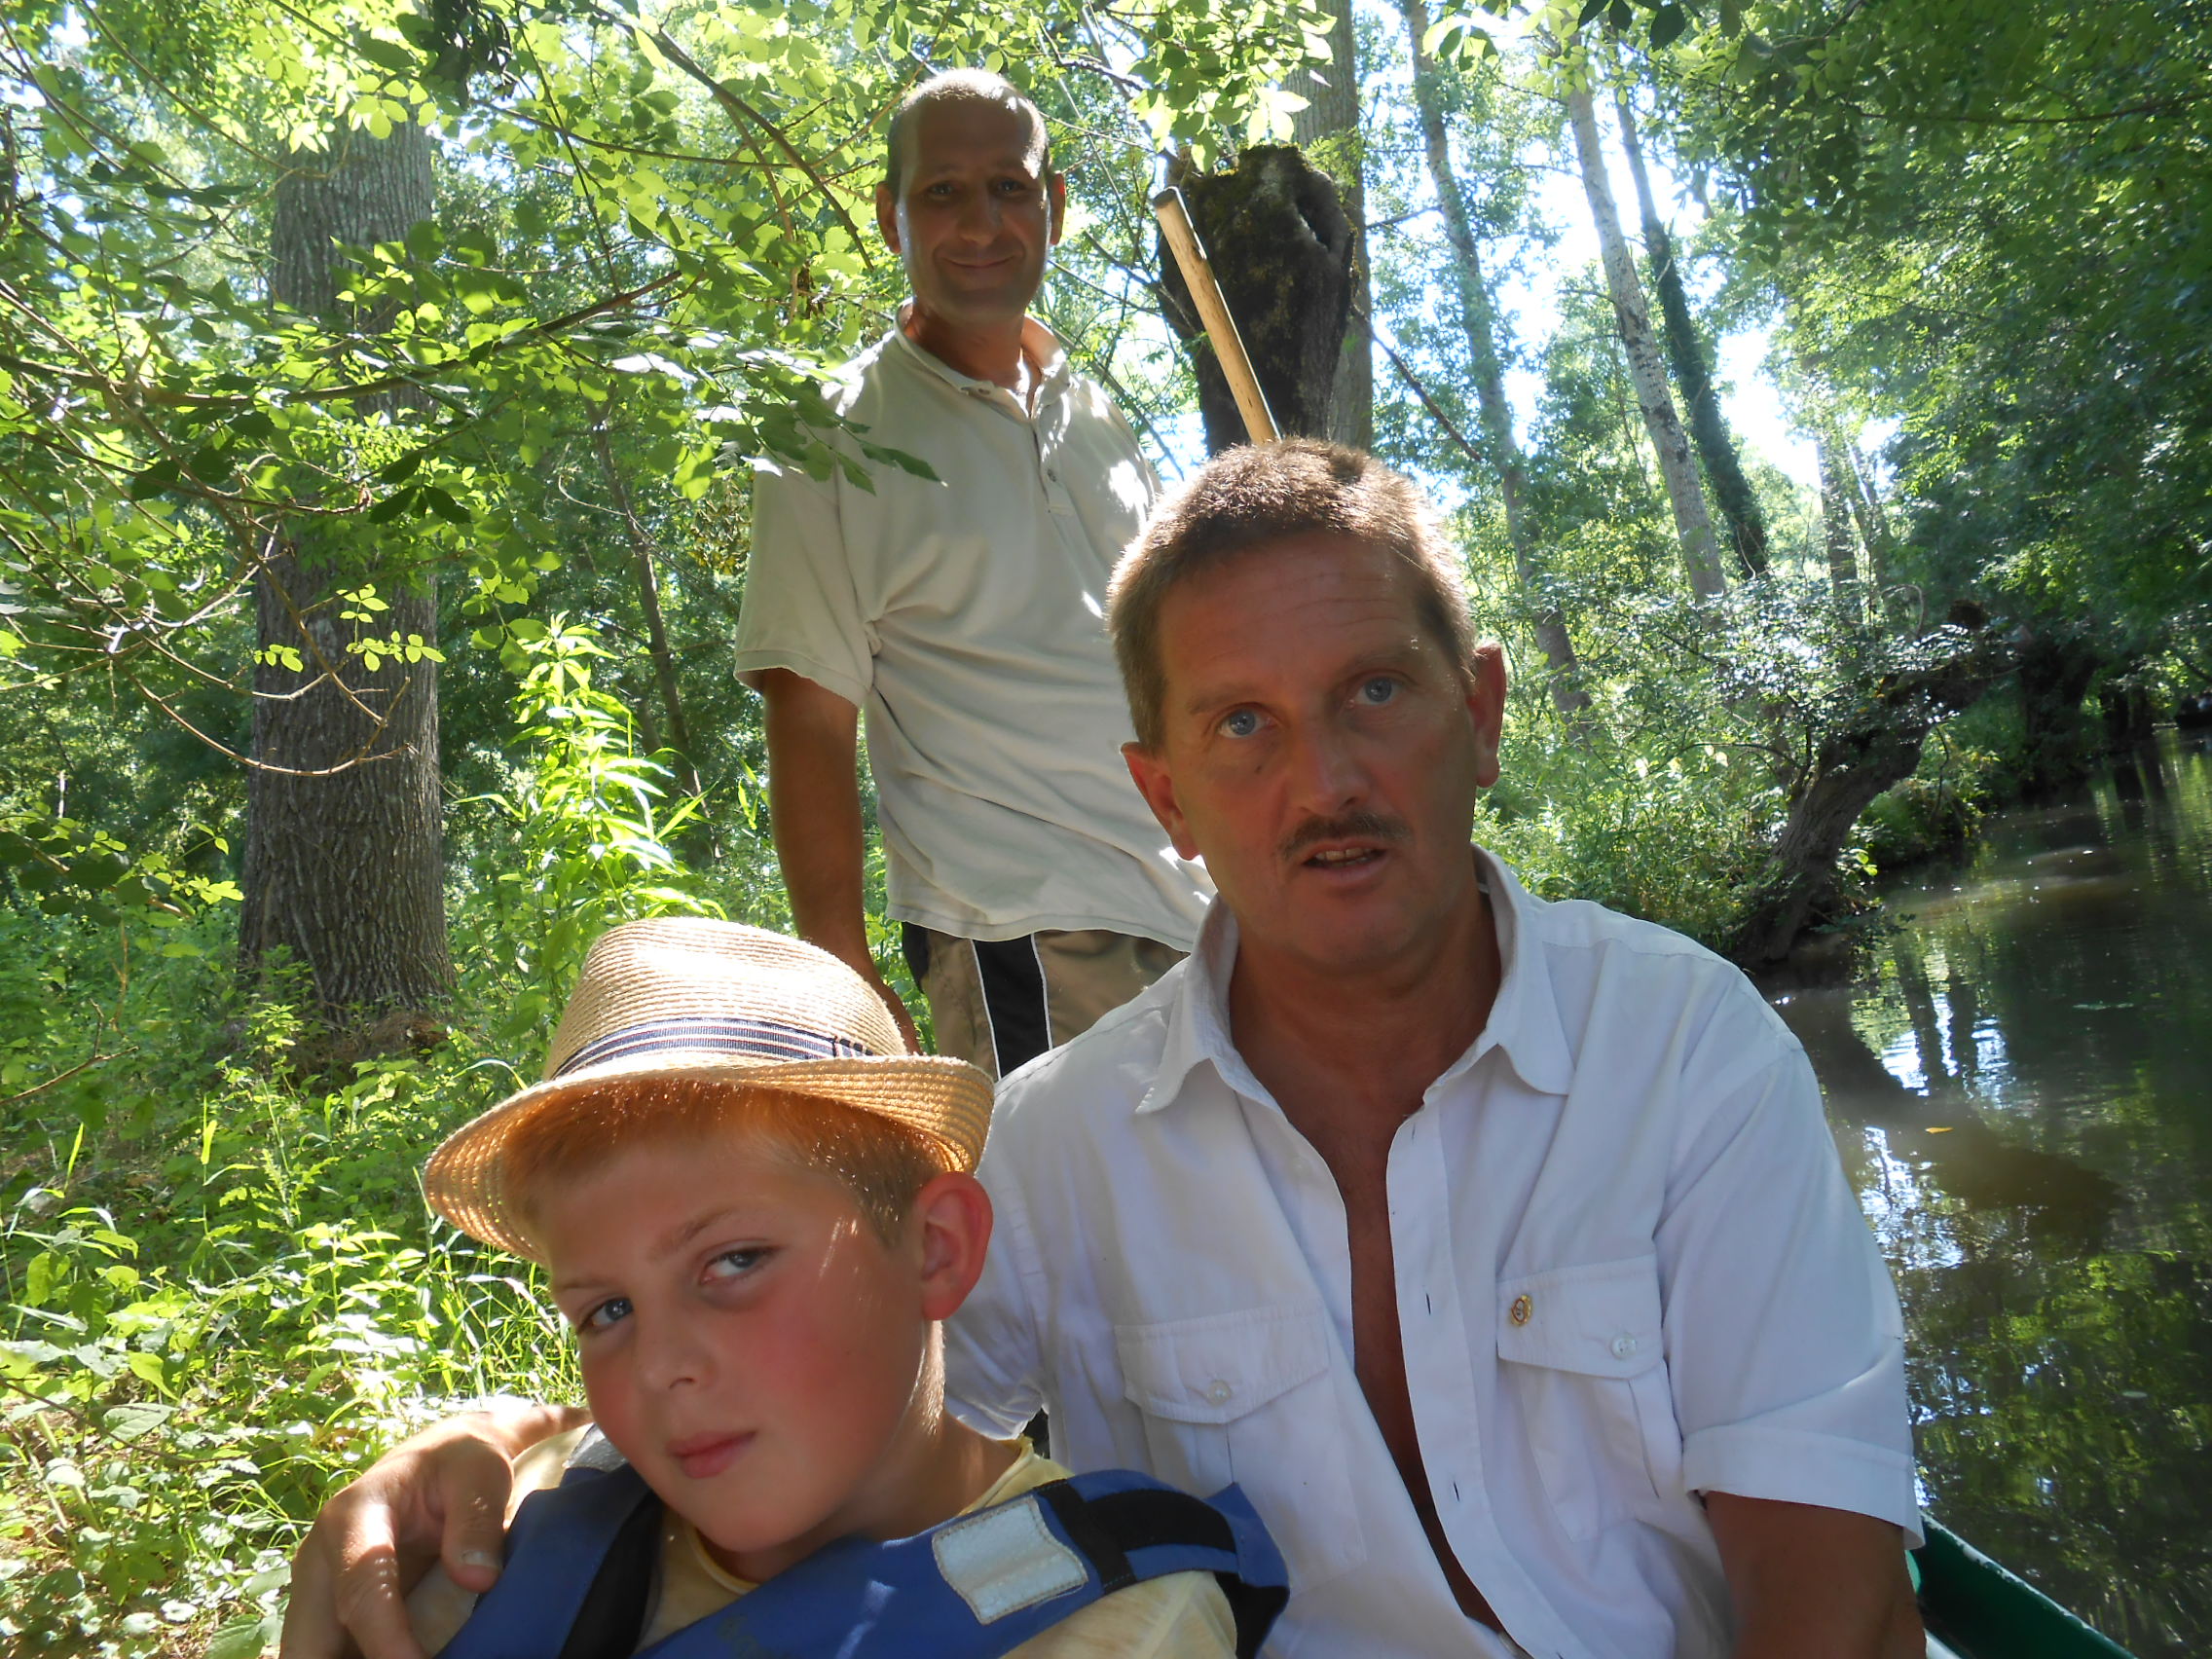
x=686, y=996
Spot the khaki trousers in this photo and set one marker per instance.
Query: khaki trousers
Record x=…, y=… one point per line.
x=1001, y=1003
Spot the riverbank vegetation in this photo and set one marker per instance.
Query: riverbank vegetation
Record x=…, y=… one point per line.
x=378, y=385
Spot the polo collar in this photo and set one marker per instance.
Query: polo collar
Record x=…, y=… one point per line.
x=1039, y=344
x=1523, y=1018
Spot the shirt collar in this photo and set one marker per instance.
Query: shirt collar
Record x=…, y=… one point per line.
x=1523, y=1018
x=1039, y=344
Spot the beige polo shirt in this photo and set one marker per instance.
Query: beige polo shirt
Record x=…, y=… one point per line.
x=965, y=616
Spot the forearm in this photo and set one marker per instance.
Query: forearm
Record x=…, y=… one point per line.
x=1814, y=1583
x=515, y=1425
x=814, y=808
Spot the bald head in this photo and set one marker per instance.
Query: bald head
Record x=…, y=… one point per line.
x=953, y=87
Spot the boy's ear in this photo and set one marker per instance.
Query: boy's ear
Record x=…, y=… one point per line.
x=952, y=1216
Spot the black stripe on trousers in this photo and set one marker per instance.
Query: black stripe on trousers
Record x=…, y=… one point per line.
x=1013, y=999
x=1013, y=981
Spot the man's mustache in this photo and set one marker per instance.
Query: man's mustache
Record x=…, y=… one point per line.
x=1351, y=827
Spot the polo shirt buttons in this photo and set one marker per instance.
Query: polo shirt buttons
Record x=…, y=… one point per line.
x=1219, y=1391
x=1521, y=1310
x=1624, y=1345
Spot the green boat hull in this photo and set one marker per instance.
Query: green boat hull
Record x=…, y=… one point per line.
x=1978, y=1610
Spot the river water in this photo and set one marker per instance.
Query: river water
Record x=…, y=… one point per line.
x=2021, y=1086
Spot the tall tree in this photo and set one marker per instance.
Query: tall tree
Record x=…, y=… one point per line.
x=1693, y=525
x=1732, y=492
x=344, y=826
x=1328, y=130
x=1835, y=521
x=1477, y=321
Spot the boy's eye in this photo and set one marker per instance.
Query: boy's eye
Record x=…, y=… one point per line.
x=612, y=1311
x=736, y=1264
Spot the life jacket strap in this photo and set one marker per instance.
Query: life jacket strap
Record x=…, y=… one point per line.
x=1116, y=1526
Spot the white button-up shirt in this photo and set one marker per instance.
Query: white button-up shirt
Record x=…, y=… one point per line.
x=1629, y=1271
x=963, y=613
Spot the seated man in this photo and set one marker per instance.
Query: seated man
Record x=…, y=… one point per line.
x=756, y=1208
x=1496, y=1247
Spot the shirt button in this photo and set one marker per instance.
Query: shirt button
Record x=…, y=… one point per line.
x=1624, y=1345
x=1521, y=1310
x=1219, y=1391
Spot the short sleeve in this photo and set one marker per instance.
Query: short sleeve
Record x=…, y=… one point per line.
x=801, y=609
x=1784, y=1345
x=1182, y=1616
x=993, y=1349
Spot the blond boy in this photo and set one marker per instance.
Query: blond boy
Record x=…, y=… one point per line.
x=756, y=1210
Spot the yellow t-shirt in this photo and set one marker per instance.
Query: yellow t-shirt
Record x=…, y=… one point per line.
x=1183, y=1615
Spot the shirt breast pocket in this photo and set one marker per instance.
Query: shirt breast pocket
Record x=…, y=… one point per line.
x=1250, y=1397
x=1584, y=1352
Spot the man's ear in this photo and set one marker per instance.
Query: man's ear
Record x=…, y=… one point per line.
x=887, y=214
x=1056, y=193
x=1486, y=706
x=1150, y=774
x=952, y=1217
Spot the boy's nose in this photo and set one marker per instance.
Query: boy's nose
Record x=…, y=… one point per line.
x=669, y=1356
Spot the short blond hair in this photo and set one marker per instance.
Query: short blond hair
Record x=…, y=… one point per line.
x=882, y=1164
x=1248, y=497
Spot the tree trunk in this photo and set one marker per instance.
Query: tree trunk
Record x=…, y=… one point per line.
x=1878, y=747
x=1732, y=492
x=1873, y=524
x=1327, y=130
x=1835, y=524
x=1692, y=524
x=2056, y=744
x=649, y=602
x=1281, y=248
x=1478, y=320
x=345, y=855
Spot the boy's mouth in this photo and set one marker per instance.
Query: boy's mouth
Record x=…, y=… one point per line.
x=702, y=1456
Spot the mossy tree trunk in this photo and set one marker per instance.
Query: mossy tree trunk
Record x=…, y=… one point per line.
x=1281, y=247
x=1632, y=315
x=1732, y=492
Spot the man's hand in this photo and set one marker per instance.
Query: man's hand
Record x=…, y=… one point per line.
x=897, y=1006
x=813, y=805
x=1814, y=1583
x=439, y=1497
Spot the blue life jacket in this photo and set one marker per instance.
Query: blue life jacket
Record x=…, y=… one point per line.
x=582, y=1559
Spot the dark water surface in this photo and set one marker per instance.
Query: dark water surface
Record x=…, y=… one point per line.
x=2023, y=1089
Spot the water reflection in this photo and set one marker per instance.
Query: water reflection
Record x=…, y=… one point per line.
x=2022, y=1091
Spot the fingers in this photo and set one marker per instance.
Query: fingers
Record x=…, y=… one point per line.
x=441, y=1495
x=473, y=1481
x=312, y=1629
x=899, y=1014
x=345, y=1585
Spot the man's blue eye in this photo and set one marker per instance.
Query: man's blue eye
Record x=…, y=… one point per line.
x=1242, y=723
x=612, y=1311
x=1381, y=689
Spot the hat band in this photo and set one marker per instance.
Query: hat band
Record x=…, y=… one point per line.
x=756, y=1039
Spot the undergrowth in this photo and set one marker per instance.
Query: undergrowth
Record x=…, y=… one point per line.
x=222, y=1292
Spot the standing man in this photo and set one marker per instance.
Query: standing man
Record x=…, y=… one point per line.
x=1497, y=1247
x=965, y=614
